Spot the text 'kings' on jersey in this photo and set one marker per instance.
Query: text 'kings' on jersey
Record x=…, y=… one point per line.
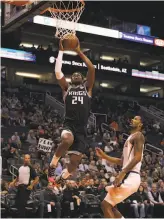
x=77, y=104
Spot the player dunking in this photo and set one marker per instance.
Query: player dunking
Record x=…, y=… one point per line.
x=128, y=180
x=77, y=99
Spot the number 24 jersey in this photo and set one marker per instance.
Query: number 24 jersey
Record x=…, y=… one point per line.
x=77, y=104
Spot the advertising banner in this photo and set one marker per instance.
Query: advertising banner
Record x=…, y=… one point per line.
x=136, y=38
x=99, y=66
x=148, y=74
x=159, y=42
x=17, y=54
x=85, y=28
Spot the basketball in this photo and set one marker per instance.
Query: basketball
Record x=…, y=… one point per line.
x=70, y=42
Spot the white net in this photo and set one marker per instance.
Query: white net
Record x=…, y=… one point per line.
x=66, y=15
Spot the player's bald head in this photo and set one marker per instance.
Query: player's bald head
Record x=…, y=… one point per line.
x=136, y=123
x=138, y=118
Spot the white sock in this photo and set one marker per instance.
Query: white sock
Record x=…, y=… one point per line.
x=54, y=161
x=122, y=217
x=65, y=174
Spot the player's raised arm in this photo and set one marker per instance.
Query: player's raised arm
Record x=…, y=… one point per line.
x=91, y=69
x=58, y=69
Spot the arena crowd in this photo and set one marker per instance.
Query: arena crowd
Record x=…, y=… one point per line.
x=24, y=121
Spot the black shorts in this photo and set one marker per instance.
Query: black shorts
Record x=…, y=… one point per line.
x=79, y=133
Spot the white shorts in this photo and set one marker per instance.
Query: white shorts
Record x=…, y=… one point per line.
x=128, y=187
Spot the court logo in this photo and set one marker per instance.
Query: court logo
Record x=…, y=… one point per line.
x=159, y=42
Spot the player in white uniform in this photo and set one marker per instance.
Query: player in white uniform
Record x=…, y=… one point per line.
x=128, y=180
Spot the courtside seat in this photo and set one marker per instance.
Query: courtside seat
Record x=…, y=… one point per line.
x=11, y=203
x=92, y=205
x=3, y=204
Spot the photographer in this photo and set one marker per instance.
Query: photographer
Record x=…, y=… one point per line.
x=50, y=202
x=71, y=201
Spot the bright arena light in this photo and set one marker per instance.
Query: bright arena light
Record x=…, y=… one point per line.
x=28, y=75
x=107, y=58
x=104, y=85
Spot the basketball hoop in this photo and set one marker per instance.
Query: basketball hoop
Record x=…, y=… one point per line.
x=66, y=15
x=17, y=3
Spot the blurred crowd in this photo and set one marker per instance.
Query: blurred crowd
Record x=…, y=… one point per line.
x=24, y=121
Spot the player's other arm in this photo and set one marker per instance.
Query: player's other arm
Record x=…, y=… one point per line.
x=114, y=160
x=58, y=69
x=91, y=70
x=138, y=143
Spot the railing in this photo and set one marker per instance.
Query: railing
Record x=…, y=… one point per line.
x=125, y=136
x=105, y=127
x=153, y=149
x=152, y=114
x=148, y=147
x=53, y=102
x=100, y=114
x=157, y=111
x=37, y=95
x=12, y=170
x=92, y=120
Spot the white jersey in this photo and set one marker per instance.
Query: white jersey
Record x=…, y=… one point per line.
x=128, y=155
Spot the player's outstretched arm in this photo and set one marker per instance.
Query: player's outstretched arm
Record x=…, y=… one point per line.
x=58, y=69
x=138, y=144
x=113, y=160
x=91, y=70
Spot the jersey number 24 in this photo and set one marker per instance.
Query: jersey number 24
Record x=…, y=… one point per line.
x=76, y=99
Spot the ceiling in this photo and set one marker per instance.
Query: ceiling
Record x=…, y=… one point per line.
x=115, y=49
x=146, y=13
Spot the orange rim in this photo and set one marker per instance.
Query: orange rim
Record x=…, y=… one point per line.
x=65, y=10
x=18, y=3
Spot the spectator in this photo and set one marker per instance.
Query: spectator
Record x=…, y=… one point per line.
x=71, y=200
x=31, y=138
x=139, y=203
x=16, y=139
x=92, y=166
x=108, y=148
x=9, y=152
x=83, y=166
x=51, y=205
x=155, y=199
x=23, y=138
x=106, y=136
